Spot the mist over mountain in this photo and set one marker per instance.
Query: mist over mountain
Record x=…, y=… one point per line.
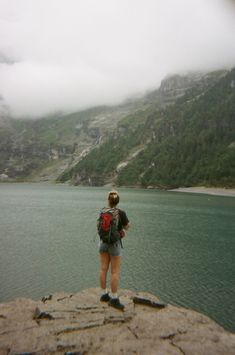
x=67, y=56
x=150, y=82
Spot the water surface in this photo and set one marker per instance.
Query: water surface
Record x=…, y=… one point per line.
x=181, y=246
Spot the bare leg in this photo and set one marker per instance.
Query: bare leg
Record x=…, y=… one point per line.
x=115, y=272
x=104, y=266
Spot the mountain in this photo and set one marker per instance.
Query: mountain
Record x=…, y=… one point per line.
x=181, y=134
x=190, y=141
x=41, y=149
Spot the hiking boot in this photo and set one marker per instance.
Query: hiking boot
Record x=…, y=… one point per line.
x=105, y=297
x=114, y=302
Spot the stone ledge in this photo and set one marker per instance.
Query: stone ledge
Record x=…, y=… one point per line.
x=81, y=324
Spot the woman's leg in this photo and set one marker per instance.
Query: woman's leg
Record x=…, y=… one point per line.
x=104, y=266
x=115, y=272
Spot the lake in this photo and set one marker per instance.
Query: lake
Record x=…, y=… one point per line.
x=181, y=246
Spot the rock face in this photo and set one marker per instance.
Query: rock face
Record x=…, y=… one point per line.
x=81, y=324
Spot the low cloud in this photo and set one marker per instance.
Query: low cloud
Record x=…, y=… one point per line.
x=69, y=55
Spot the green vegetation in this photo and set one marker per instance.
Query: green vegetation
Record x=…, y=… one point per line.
x=194, y=143
x=101, y=163
x=189, y=143
x=160, y=140
x=29, y=146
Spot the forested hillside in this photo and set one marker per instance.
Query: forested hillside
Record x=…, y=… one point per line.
x=181, y=134
x=191, y=142
x=35, y=150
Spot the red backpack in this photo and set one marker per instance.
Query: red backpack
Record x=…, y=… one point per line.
x=107, y=225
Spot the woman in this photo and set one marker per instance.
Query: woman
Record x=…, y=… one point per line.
x=110, y=254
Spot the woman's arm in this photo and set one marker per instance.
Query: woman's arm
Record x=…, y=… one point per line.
x=124, y=221
x=127, y=226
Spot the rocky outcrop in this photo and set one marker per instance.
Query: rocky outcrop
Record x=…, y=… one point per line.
x=174, y=86
x=81, y=324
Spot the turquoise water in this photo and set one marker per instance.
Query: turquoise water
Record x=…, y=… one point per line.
x=181, y=246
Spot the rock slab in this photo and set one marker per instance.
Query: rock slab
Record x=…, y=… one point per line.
x=80, y=324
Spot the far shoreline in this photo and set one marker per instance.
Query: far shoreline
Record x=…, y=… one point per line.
x=217, y=191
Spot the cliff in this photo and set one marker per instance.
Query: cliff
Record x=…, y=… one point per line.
x=81, y=324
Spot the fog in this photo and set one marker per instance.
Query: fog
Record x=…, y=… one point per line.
x=66, y=55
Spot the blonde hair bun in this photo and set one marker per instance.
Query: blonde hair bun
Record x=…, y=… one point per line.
x=113, y=198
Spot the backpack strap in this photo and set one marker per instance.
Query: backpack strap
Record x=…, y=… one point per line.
x=117, y=219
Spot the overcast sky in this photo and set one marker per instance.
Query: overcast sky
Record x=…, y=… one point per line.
x=71, y=54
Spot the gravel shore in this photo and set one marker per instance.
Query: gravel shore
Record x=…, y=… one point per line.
x=207, y=190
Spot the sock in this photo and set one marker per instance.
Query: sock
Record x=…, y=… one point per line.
x=114, y=295
x=104, y=291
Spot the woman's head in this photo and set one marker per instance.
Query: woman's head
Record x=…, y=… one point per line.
x=113, y=198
